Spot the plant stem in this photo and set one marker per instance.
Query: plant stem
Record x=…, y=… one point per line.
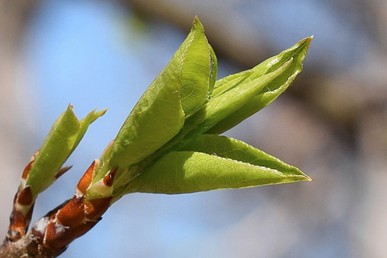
x=51, y=234
x=27, y=246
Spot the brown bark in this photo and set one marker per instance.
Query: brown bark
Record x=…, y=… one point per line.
x=27, y=246
x=51, y=234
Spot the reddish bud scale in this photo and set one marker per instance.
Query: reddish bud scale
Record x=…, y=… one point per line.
x=21, y=214
x=62, y=171
x=23, y=203
x=85, y=181
x=72, y=213
x=73, y=218
x=95, y=208
x=18, y=225
x=27, y=169
x=24, y=197
x=109, y=178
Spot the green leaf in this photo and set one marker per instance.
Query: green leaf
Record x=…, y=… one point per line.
x=270, y=92
x=214, y=162
x=181, y=89
x=198, y=72
x=221, y=107
x=63, y=138
x=224, y=105
x=234, y=149
x=240, y=95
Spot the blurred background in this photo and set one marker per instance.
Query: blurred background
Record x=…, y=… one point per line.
x=331, y=123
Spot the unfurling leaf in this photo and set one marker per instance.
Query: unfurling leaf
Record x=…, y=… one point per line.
x=214, y=162
x=63, y=138
x=292, y=58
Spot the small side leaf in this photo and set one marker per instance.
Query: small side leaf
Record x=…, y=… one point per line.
x=63, y=138
x=214, y=162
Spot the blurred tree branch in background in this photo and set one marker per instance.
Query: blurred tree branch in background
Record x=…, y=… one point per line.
x=336, y=97
x=14, y=16
x=234, y=39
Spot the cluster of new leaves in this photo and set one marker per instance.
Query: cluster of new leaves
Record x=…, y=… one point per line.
x=170, y=142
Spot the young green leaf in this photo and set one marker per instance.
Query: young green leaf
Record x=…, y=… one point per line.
x=238, y=96
x=182, y=88
x=214, y=162
x=220, y=107
x=63, y=138
x=270, y=92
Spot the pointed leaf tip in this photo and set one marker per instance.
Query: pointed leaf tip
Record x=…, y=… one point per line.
x=214, y=162
x=197, y=24
x=308, y=179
